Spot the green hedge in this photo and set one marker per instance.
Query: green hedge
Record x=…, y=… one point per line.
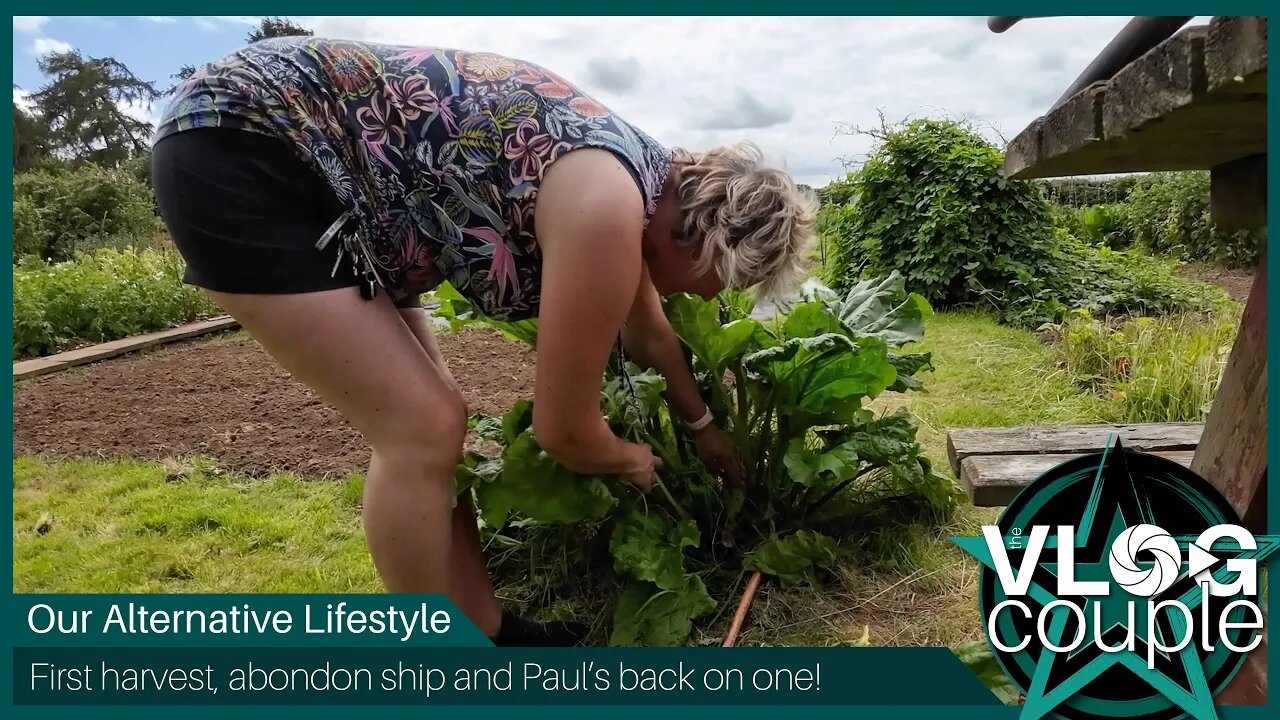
x=1083, y=192
x=60, y=212
x=99, y=296
x=1169, y=213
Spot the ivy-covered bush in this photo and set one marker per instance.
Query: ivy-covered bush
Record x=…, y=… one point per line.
x=59, y=212
x=1170, y=215
x=931, y=203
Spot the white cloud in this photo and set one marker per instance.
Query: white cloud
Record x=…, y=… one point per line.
x=216, y=22
x=22, y=99
x=45, y=45
x=29, y=23
x=619, y=75
x=162, y=19
x=808, y=75
x=140, y=111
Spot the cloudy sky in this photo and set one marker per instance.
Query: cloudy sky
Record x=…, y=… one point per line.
x=788, y=84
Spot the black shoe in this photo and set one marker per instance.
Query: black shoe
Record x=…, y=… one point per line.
x=518, y=632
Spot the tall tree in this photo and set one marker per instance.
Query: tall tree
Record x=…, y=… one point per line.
x=273, y=27
x=30, y=140
x=81, y=108
x=184, y=72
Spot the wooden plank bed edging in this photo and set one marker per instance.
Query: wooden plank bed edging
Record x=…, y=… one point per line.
x=26, y=369
x=1193, y=102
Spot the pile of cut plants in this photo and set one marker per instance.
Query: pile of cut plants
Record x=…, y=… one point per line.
x=828, y=480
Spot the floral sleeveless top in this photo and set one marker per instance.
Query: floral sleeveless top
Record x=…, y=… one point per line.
x=436, y=153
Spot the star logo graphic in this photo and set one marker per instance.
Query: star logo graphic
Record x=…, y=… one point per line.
x=1117, y=637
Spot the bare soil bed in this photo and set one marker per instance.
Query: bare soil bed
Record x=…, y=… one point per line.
x=1235, y=282
x=225, y=399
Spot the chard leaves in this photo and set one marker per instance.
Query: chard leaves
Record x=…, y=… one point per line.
x=825, y=373
x=649, y=547
x=537, y=487
x=698, y=324
x=649, y=616
x=790, y=393
x=877, y=307
x=792, y=559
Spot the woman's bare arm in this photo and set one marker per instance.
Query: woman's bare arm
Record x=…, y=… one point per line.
x=589, y=222
x=653, y=343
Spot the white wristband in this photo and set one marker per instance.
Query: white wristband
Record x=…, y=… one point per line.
x=701, y=422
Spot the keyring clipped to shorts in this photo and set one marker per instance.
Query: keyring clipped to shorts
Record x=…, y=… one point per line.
x=245, y=212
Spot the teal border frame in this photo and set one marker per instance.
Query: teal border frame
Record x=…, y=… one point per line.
x=916, y=687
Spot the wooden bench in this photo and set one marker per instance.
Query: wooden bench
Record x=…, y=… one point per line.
x=993, y=464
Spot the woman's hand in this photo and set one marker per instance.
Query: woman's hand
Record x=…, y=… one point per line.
x=645, y=472
x=717, y=450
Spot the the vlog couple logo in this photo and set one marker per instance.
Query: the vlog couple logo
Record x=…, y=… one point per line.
x=1120, y=584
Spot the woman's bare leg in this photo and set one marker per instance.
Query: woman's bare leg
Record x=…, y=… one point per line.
x=361, y=357
x=471, y=589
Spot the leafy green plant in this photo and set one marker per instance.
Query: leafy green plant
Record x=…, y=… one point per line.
x=977, y=656
x=59, y=212
x=1111, y=282
x=1106, y=225
x=1153, y=369
x=790, y=394
x=1170, y=215
x=98, y=296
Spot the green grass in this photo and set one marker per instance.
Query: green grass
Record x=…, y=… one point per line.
x=989, y=375
x=123, y=526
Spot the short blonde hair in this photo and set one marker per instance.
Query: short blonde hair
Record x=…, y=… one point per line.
x=753, y=224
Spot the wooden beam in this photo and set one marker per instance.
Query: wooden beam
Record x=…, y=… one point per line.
x=1236, y=54
x=1233, y=456
x=1170, y=77
x=1179, y=107
x=1077, y=123
x=1068, y=439
x=1249, y=686
x=26, y=369
x=1023, y=152
x=1238, y=193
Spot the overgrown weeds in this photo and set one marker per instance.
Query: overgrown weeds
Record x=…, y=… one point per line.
x=1164, y=369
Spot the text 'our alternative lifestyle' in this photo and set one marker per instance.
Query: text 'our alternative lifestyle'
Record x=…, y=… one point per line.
x=243, y=619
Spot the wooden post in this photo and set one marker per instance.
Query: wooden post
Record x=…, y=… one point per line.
x=1233, y=456
x=1238, y=193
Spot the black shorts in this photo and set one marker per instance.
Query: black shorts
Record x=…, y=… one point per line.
x=245, y=212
